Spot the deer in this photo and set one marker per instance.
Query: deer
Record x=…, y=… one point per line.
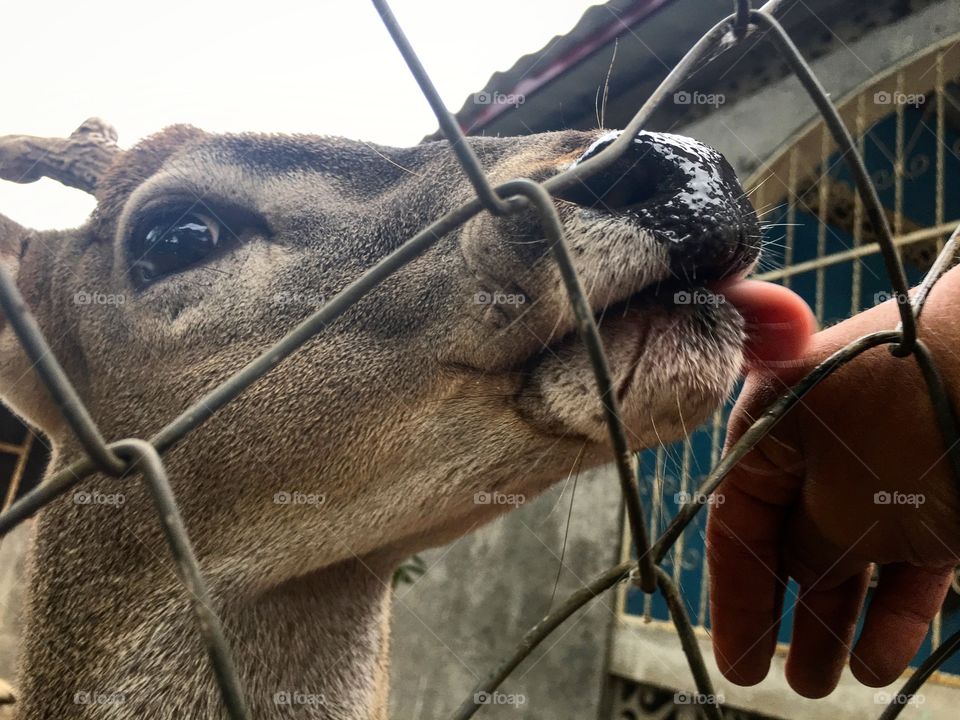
x=461, y=374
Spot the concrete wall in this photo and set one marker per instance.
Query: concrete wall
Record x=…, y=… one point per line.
x=653, y=653
x=481, y=593
x=13, y=550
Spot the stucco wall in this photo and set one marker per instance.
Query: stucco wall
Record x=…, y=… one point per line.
x=484, y=591
x=749, y=131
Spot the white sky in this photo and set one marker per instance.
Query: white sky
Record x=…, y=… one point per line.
x=316, y=66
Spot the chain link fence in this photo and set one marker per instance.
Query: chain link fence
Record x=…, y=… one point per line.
x=134, y=456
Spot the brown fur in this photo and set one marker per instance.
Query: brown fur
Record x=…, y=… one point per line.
x=398, y=414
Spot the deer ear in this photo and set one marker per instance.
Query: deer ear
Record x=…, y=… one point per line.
x=12, y=238
x=13, y=245
x=20, y=387
x=80, y=160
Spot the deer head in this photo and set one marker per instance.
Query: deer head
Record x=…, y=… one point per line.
x=461, y=374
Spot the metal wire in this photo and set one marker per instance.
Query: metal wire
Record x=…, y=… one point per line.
x=55, y=380
x=132, y=456
x=144, y=456
x=742, y=21
x=448, y=124
x=872, y=205
x=929, y=666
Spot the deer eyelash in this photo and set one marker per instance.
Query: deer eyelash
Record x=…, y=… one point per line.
x=173, y=238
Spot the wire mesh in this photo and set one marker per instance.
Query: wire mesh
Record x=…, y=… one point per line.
x=136, y=456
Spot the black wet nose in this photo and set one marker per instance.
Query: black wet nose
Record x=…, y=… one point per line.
x=685, y=193
x=639, y=176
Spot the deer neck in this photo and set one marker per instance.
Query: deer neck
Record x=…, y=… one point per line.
x=111, y=635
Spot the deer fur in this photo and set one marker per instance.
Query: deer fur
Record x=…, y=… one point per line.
x=392, y=419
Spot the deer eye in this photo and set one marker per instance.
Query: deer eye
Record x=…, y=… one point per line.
x=170, y=243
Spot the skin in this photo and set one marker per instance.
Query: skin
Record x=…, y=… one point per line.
x=802, y=505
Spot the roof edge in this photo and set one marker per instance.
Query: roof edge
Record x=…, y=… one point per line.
x=474, y=117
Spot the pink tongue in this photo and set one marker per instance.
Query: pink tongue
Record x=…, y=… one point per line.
x=778, y=322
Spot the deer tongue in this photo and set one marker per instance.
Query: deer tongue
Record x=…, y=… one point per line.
x=778, y=322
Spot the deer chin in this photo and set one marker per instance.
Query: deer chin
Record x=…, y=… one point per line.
x=672, y=363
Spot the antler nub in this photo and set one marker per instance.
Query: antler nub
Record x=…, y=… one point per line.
x=78, y=161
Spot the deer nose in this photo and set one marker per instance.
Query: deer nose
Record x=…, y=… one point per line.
x=684, y=193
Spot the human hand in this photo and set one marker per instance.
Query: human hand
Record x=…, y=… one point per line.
x=856, y=473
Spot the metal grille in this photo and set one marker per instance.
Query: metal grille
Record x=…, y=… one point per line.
x=820, y=245
x=131, y=456
x=20, y=453
x=902, y=164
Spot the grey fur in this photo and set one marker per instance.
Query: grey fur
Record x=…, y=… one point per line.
x=417, y=399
